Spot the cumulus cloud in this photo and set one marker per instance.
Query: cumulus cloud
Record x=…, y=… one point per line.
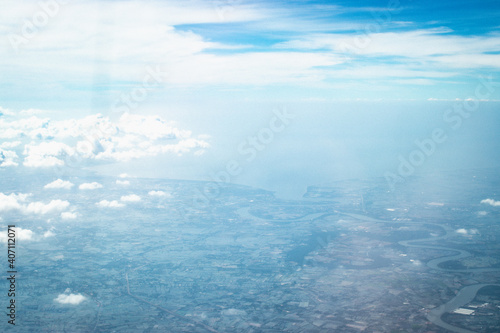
x=153, y=128
x=142, y=136
x=59, y=183
x=491, y=202
x=8, y=158
x=46, y=154
x=122, y=182
x=11, y=201
x=52, y=207
x=93, y=138
x=6, y=112
x=111, y=204
x=18, y=202
x=21, y=234
x=90, y=186
x=24, y=234
x=68, y=215
x=159, y=194
x=10, y=144
x=466, y=232
x=130, y=198
x=73, y=299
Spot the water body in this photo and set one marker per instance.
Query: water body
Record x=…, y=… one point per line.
x=317, y=240
x=464, y=296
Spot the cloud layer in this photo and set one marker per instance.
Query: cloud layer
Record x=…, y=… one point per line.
x=94, y=138
x=240, y=43
x=159, y=194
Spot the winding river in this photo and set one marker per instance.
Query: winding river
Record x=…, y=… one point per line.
x=464, y=296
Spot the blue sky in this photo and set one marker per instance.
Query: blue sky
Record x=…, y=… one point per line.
x=70, y=54
x=200, y=77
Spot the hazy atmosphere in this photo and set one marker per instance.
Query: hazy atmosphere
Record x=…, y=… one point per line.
x=299, y=124
x=360, y=81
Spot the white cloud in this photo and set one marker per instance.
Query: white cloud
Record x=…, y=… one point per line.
x=438, y=204
x=7, y=158
x=466, y=232
x=10, y=144
x=90, y=186
x=121, y=28
x=491, y=202
x=188, y=57
x=73, y=299
x=123, y=182
x=48, y=233
x=421, y=56
x=422, y=43
x=13, y=201
x=112, y=204
x=9, y=133
x=10, y=202
x=21, y=234
x=17, y=202
x=46, y=154
x=96, y=138
x=68, y=215
x=52, y=207
x=142, y=136
x=24, y=234
x=130, y=198
x=121, y=42
x=42, y=161
x=59, y=183
x=470, y=60
x=253, y=68
x=159, y=194
x=153, y=128
x=31, y=112
x=6, y=112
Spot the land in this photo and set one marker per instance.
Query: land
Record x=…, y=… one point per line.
x=350, y=256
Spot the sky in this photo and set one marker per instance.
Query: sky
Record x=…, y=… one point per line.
x=92, y=50
x=178, y=88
